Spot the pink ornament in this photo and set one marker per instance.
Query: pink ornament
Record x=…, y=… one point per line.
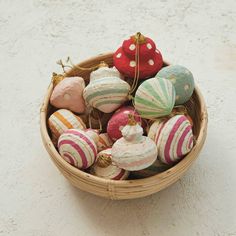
x=119, y=120
x=68, y=94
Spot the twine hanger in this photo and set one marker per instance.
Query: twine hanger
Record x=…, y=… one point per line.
x=139, y=39
x=72, y=65
x=96, y=118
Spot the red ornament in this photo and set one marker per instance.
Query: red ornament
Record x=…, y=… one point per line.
x=150, y=59
x=119, y=120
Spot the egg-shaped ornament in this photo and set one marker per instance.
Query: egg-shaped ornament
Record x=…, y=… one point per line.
x=154, y=98
x=78, y=147
x=106, y=90
x=119, y=120
x=62, y=120
x=68, y=94
x=139, y=53
x=104, y=142
x=133, y=151
x=182, y=79
x=174, y=139
x=104, y=168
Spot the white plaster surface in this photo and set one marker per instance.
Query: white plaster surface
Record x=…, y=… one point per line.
x=35, y=199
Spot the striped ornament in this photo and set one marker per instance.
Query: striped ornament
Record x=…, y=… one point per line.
x=77, y=148
x=106, y=91
x=174, y=139
x=155, y=98
x=104, y=142
x=62, y=120
x=108, y=172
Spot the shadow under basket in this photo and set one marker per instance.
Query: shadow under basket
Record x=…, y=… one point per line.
x=124, y=189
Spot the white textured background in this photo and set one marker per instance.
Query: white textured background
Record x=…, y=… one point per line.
x=35, y=199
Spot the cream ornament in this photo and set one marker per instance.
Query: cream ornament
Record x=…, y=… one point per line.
x=104, y=167
x=134, y=151
x=106, y=90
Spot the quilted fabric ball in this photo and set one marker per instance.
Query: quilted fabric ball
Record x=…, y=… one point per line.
x=182, y=80
x=150, y=59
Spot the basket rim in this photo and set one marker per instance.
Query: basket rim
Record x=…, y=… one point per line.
x=135, y=182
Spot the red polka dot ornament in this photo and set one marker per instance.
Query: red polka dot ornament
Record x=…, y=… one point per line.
x=138, y=57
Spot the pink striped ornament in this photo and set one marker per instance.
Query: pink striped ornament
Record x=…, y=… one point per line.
x=110, y=171
x=78, y=148
x=104, y=142
x=174, y=138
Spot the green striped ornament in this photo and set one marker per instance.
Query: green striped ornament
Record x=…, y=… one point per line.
x=106, y=93
x=155, y=98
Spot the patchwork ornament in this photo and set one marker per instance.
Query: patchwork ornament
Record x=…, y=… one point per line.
x=182, y=80
x=68, y=94
x=78, y=147
x=133, y=151
x=154, y=98
x=156, y=168
x=104, y=142
x=106, y=90
x=62, y=120
x=150, y=59
x=119, y=120
x=104, y=167
x=174, y=138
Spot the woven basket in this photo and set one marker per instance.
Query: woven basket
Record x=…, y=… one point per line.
x=124, y=189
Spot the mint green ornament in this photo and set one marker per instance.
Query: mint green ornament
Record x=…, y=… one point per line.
x=182, y=80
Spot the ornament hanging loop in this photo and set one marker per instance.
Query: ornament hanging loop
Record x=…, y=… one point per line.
x=69, y=64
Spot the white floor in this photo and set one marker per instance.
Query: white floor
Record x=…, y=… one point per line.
x=35, y=199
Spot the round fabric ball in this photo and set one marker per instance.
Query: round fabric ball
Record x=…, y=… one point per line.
x=155, y=98
x=182, y=80
x=119, y=120
x=77, y=148
x=62, y=120
x=111, y=171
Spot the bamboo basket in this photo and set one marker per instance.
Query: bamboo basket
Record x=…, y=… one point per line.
x=124, y=189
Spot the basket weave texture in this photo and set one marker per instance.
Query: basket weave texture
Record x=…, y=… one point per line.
x=124, y=189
